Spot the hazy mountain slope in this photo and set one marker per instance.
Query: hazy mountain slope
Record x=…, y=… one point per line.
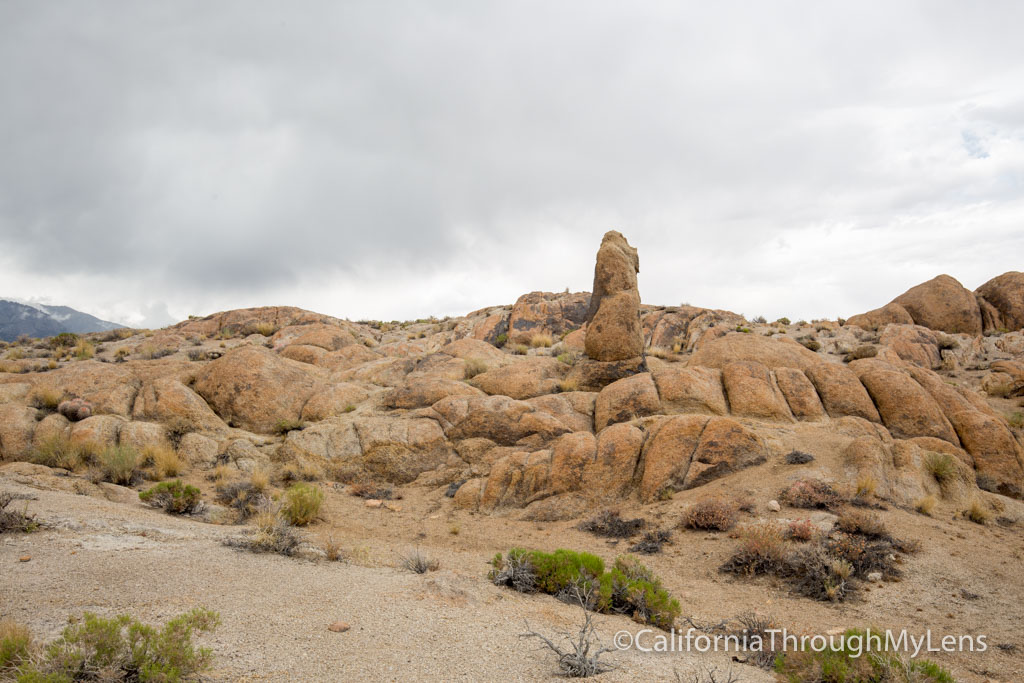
x=37, y=320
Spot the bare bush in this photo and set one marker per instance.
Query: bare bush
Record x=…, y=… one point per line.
x=419, y=563
x=610, y=523
x=582, y=657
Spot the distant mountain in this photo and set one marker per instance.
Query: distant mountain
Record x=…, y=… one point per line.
x=37, y=320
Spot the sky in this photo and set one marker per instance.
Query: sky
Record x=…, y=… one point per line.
x=395, y=160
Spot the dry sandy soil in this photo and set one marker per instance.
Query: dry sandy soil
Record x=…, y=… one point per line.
x=103, y=551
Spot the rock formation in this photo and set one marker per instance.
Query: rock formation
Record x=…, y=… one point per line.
x=613, y=319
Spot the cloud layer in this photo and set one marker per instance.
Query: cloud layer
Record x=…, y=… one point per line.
x=396, y=160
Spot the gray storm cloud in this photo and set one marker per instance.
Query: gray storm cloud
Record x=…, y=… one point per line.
x=403, y=159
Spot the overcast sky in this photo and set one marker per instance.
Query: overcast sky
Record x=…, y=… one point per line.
x=401, y=159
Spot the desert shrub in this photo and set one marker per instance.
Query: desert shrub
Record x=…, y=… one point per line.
x=866, y=486
x=299, y=470
x=809, y=342
x=272, y=534
x=196, y=355
x=63, y=340
x=582, y=658
x=798, y=458
x=567, y=358
x=783, y=321
x=849, y=661
x=762, y=550
x=941, y=467
x=284, y=426
x=265, y=329
x=163, y=462
x=760, y=320
x=812, y=494
x=610, y=523
x=865, y=555
x=75, y=409
x=519, y=349
x=119, y=464
x=862, y=351
x=862, y=523
x=176, y=428
x=121, y=355
x=651, y=542
x=711, y=514
x=15, y=520
x=813, y=573
x=501, y=340
x=123, y=649
x=84, y=350
x=1016, y=420
x=801, y=530
x=540, y=340
x=302, y=504
x=174, y=497
x=926, y=505
x=418, y=562
x=1001, y=390
x=978, y=513
x=568, y=384
x=45, y=398
x=744, y=330
x=946, y=342
x=247, y=498
x=628, y=588
x=15, y=646
x=58, y=451
x=474, y=367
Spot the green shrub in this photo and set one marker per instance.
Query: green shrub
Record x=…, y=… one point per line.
x=124, y=649
x=783, y=321
x=63, y=340
x=628, y=588
x=501, y=340
x=941, y=466
x=1016, y=420
x=173, y=496
x=15, y=641
x=58, y=451
x=119, y=464
x=850, y=662
x=302, y=504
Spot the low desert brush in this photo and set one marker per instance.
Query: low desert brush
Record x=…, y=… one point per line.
x=15, y=520
x=45, y=398
x=863, y=523
x=284, y=426
x=473, y=367
x=174, y=497
x=59, y=451
x=15, y=646
x=541, y=341
x=116, y=649
x=163, y=461
x=302, y=504
x=271, y=534
x=866, y=486
x=811, y=494
x=926, y=505
x=119, y=464
x=711, y=514
x=762, y=550
x=610, y=523
x=801, y=530
x=978, y=512
x=419, y=563
x=941, y=466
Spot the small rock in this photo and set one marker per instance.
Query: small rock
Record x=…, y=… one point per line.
x=338, y=627
x=373, y=503
x=24, y=558
x=773, y=506
x=875, y=577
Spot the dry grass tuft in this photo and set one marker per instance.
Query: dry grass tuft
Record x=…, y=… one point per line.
x=926, y=505
x=164, y=462
x=541, y=341
x=978, y=512
x=711, y=514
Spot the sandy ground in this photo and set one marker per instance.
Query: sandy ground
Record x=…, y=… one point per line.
x=113, y=556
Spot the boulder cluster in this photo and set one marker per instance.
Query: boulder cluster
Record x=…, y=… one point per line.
x=560, y=402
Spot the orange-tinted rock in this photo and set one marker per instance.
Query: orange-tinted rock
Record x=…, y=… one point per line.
x=570, y=455
x=594, y=375
x=525, y=378
x=799, y=393
x=725, y=447
x=517, y=480
x=255, y=388
x=574, y=409
x=997, y=455
x=944, y=304
x=304, y=353
x=166, y=399
x=98, y=429
x=880, y=317
x=109, y=388
x=1005, y=294
x=906, y=409
x=17, y=424
x=491, y=328
x=336, y=399
x=770, y=352
x=625, y=400
x=914, y=344
x=419, y=392
x=751, y=393
x=475, y=349
x=611, y=474
x=841, y=392
x=613, y=318
x=668, y=454
x=546, y=313
x=690, y=390
x=499, y=418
